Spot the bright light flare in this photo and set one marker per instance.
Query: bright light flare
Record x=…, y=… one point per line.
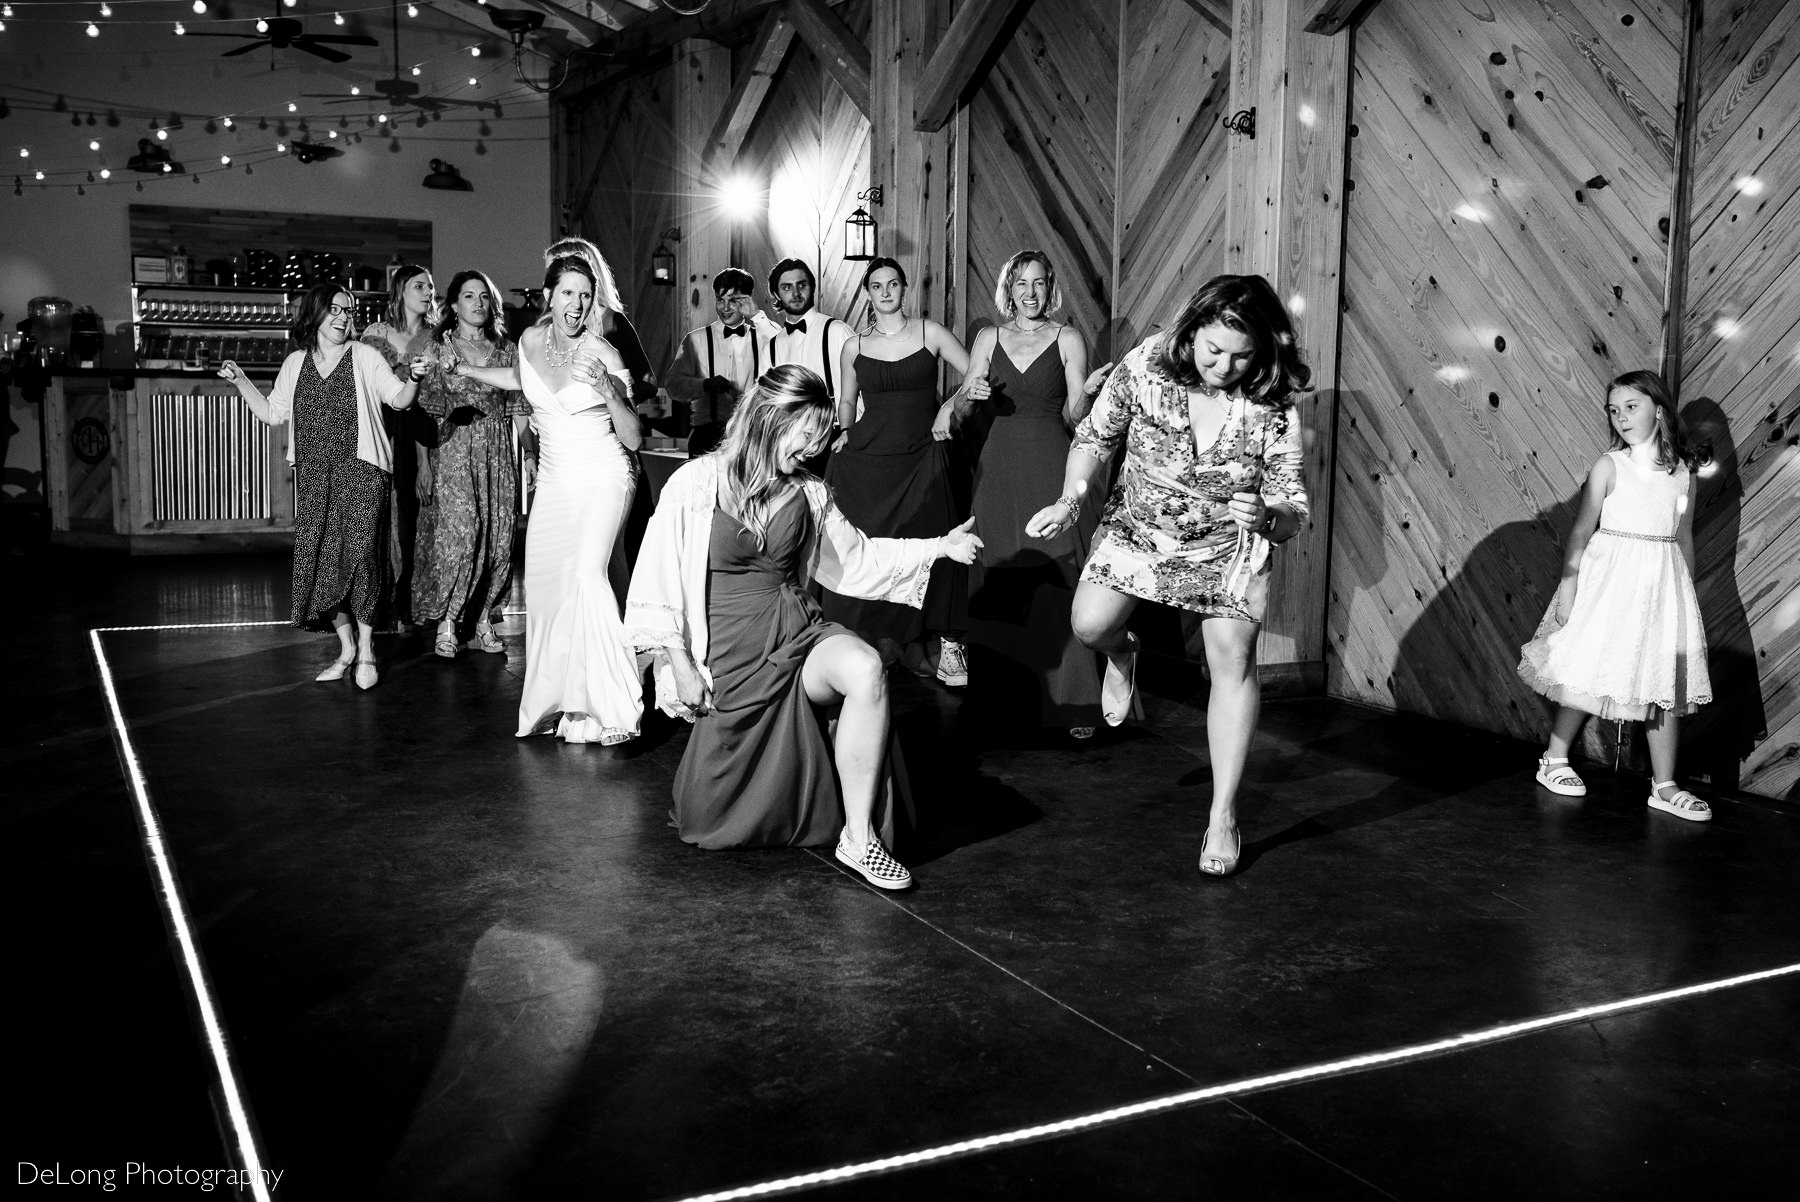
x=740, y=197
x=1749, y=185
x=1727, y=327
x=1453, y=373
x=1309, y=116
x=1469, y=212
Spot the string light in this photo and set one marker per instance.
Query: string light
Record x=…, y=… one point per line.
x=162, y=135
x=412, y=10
x=228, y=123
x=168, y=168
x=281, y=148
x=199, y=7
x=354, y=91
x=337, y=18
x=474, y=51
x=417, y=71
x=381, y=117
x=93, y=30
x=106, y=10
x=106, y=173
x=224, y=160
x=180, y=29
x=40, y=175
x=25, y=154
x=262, y=25
x=473, y=82
x=5, y=10
x=331, y=133
x=93, y=143
x=292, y=107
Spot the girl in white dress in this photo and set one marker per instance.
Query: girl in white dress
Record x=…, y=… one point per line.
x=1622, y=638
x=581, y=677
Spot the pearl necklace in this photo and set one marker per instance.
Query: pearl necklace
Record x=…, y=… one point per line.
x=556, y=358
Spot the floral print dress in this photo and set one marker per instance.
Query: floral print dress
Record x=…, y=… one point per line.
x=465, y=541
x=1166, y=534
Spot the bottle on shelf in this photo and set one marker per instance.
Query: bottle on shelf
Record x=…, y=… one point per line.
x=178, y=265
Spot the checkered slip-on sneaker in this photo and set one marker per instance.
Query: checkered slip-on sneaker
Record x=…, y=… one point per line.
x=874, y=864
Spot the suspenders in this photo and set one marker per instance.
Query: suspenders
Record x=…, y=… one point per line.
x=755, y=356
x=824, y=354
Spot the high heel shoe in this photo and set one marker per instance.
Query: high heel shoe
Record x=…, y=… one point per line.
x=1213, y=864
x=336, y=668
x=1118, y=691
x=366, y=675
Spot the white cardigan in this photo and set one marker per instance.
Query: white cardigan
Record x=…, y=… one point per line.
x=666, y=606
x=376, y=385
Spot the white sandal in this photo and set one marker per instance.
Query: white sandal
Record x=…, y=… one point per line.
x=1556, y=775
x=1680, y=803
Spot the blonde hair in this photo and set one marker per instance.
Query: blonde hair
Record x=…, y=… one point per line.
x=751, y=483
x=1009, y=275
x=606, y=291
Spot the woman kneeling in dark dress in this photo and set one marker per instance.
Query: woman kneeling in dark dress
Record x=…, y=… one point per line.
x=720, y=596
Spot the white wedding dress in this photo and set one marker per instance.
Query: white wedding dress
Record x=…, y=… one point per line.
x=581, y=678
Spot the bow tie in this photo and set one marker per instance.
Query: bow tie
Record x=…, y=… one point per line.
x=797, y=327
x=737, y=331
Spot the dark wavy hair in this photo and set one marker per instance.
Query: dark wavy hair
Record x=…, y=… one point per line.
x=394, y=312
x=557, y=269
x=493, y=328
x=315, y=307
x=734, y=277
x=1673, y=447
x=786, y=265
x=1248, y=304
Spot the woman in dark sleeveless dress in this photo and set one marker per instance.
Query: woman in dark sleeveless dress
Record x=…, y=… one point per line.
x=720, y=596
x=335, y=391
x=1021, y=593
x=891, y=468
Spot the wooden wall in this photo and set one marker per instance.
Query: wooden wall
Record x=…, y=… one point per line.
x=1042, y=134
x=1503, y=260
x=1170, y=228
x=810, y=149
x=1740, y=386
x=615, y=156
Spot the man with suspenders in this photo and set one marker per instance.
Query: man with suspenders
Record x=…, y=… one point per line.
x=806, y=337
x=719, y=361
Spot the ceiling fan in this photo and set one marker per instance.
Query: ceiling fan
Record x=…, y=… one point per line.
x=286, y=33
x=400, y=92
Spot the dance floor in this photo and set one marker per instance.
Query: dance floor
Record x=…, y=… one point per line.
x=446, y=963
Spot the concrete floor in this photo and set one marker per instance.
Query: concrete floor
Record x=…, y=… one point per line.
x=453, y=964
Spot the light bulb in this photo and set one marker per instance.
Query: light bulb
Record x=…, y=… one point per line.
x=292, y=107
x=381, y=117
x=337, y=18
x=180, y=29
x=356, y=91
x=412, y=10
x=228, y=123
x=199, y=7
x=474, y=51
x=167, y=168
x=162, y=135
x=93, y=30
x=24, y=153
x=262, y=26
x=106, y=173
x=93, y=144
x=40, y=175
x=225, y=160
x=416, y=71
x=5, y=10
x=281, y=148
x=106, y=10
x=331, y=133
x=473, y=82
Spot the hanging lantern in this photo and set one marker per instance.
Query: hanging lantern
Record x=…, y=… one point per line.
x=860, y=229
x=662, y=259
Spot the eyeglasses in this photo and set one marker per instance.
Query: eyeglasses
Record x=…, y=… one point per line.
x=341, y=310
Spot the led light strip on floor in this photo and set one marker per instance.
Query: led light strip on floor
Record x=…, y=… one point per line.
x=234, y=1108
x=1213, y=1093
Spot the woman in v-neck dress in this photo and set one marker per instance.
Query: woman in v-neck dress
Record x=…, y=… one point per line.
x=1022, y=591
x=1211, y=482
x=581, y=678
x=890, y=469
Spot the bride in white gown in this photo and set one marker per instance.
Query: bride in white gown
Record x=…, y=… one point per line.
x=581, y=677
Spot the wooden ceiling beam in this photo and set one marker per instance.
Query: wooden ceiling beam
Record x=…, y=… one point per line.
x=750, y=89
x=839, y=51
x=1331, y=17
x=557, y=38
x=951, y=71
x=582, y=30
x=1216, y=13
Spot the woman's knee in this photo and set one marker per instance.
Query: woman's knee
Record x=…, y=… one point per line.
x=860, y=674
x=1231, y=651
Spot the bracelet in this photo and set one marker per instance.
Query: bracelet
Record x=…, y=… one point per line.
x=1073, y=503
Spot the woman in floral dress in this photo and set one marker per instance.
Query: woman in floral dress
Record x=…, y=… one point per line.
x=464, y=564
x=1211, y=483
x=403, y=333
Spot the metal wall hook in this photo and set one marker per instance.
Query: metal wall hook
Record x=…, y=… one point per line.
x=1242, y=122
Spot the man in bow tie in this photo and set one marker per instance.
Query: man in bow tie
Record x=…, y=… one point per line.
x=806, y=337
x=719, y=361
